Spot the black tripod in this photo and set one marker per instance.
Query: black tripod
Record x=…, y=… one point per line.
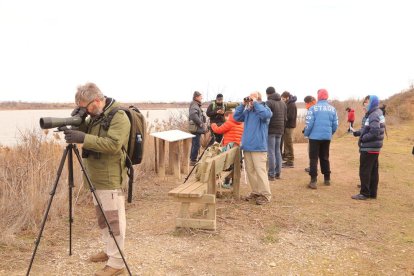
x=68, y=152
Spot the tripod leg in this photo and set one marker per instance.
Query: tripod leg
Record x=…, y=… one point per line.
x=52, y=193
x=92, y=188
x=71, y=185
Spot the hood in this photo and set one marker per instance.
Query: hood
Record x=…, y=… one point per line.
x=292, y=99
x=231, y=119
x=274, y=96
x=373, y=102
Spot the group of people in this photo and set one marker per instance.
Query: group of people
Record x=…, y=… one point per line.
x=263, y=128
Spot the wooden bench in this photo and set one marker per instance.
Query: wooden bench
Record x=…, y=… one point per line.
x=204, y=190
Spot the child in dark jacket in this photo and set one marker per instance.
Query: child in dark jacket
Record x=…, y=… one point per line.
x=370, y=142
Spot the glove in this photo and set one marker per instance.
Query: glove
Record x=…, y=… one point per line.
x=79, y=111
x=74, y=136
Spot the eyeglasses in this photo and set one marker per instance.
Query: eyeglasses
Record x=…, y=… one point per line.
x=86, y=107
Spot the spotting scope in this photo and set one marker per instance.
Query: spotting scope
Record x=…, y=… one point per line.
x=52, y=122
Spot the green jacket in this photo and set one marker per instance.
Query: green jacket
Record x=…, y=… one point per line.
x=106, y=164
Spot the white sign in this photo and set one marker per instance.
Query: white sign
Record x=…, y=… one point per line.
x=172, y=135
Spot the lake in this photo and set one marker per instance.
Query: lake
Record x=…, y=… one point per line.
x=15, y=122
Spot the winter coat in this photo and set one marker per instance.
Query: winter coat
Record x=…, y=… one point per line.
x=196, y=114
x=321, y=121
x=351, y=115
x=106, y=161
x=256, y=126
x=212, y=112
x=279, y=117
x=292, y=112
x=372, y=133
x=232, y=130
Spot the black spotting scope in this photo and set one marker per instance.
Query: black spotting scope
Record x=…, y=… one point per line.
x=51, y=122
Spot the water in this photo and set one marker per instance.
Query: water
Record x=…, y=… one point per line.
x=15, y=122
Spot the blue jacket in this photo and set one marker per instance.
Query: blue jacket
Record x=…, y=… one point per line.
x=373, y=130
x=321, y=121
x=256, y=126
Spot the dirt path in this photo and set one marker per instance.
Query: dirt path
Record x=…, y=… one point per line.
x=302, y=231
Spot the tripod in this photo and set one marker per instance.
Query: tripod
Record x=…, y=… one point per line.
x=68, y=152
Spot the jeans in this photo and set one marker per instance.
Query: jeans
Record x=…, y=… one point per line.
x=273, y=154
x=368, y=173
x=195, y=146
x=319, y=149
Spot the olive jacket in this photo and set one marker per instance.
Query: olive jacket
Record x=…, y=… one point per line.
x=106, y=161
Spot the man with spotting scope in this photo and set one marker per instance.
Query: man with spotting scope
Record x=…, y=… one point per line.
x=105, y=163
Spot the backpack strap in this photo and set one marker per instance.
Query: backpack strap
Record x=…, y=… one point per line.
x=106, y=122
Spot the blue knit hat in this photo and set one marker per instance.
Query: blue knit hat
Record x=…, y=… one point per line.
x=373, y=102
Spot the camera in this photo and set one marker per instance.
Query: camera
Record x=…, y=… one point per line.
x=51, y=122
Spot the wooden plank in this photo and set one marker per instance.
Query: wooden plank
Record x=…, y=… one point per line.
x=224, y=174
x=156, y=155
x=196, y=223
x=205, y=199
x=174, y=159
x=184, y=213
x=231, y=154
x=237, y=174
x=161, y=168
x=192, y=189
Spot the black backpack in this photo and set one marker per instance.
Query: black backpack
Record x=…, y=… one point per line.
x=137, y=138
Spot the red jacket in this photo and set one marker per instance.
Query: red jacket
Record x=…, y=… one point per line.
x=351, y=115
x=231, y=129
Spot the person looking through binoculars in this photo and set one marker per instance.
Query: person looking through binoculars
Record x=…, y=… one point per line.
x=105, y=163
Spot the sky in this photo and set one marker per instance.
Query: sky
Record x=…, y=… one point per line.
x=163, y=50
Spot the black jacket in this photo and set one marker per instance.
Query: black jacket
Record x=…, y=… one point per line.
x=213, y=115
x=279, y=117
x=292, y=112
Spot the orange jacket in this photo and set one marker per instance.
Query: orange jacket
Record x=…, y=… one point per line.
x=231, y=129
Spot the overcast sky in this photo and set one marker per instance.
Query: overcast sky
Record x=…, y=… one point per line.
x=164, y=50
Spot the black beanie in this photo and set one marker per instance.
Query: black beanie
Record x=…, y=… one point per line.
x=270, y=90
x=219, y=96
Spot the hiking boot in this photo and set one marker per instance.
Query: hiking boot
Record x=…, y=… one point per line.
x=312, y=183
x=250, y=197
x=271, y=178
x=262, y=200
x=109, y=271
x=287, y=165
x=327, y=180
x=359, y=197
x=193, y=163
x=359, y=186
x=307, y=169
x=277, y=176
x=99, y=257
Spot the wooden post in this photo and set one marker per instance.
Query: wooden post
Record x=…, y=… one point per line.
x=174, y=162
x=156, y=155
x=161, y=168
x=185, y=157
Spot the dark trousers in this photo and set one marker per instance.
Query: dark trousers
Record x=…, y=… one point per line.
x=319, y=149
x=195, y=146
x=368, y=173
x=351, y=124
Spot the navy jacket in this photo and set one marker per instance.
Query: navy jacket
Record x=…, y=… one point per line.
x=373, y=131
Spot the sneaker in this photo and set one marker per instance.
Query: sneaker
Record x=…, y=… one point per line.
x=250, y=197
x=262, y=200
x=312, y=183
x=359, y=197
x=271, y=178
x=307, y=169
x=100, y=257
x=277, y=176
x=287, y=165
x=109, y=271
x=193, y=163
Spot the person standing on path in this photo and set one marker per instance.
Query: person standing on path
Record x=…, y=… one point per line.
x=256, y=116
x=321, y=124
x=290, y=126
x=276, y=130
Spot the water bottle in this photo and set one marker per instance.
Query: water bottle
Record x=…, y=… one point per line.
x=137, y=156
